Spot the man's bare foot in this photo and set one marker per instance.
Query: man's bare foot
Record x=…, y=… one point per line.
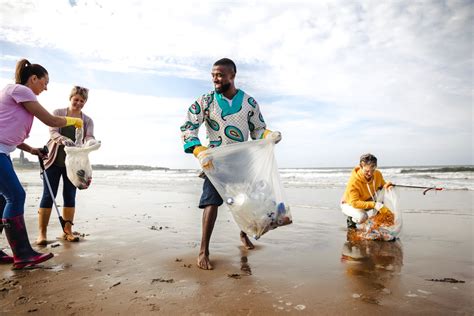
x=246, y=241
x=203, y=261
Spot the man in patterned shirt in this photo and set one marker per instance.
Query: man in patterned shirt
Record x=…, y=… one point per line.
x=230, y=115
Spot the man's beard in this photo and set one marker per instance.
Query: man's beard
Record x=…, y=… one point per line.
x=223, y=88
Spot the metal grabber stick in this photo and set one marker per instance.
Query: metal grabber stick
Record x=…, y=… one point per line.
x=426, y=189
x=44, y=176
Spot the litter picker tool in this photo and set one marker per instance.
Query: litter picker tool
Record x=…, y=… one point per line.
x=426, y=189
x=44, y=176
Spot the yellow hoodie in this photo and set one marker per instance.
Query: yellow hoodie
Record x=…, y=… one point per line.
x=357, y=192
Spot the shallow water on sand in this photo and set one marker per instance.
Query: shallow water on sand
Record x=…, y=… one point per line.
x=140, y=243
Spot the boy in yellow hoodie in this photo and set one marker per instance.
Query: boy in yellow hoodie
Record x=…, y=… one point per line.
x=361, y=191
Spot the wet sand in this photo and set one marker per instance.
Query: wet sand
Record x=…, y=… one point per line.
x=139, y=248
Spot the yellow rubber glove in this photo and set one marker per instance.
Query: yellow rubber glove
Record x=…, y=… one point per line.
x=385, y=210
x=388, y=186
x=204, y=159
x=266, y=133
x=198, y=149
x=77, y=122
x=273, y=136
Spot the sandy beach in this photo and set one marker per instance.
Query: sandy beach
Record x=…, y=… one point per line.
x=140, y=241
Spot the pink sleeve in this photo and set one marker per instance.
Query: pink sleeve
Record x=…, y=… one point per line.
x=23, y=94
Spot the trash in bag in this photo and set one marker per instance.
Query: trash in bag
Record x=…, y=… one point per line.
x=246, y=176
x=78, y=167
x=382, y=226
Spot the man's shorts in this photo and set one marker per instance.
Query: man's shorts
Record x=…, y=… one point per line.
x=209, y=196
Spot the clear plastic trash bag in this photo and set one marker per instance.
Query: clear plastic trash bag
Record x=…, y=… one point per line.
x=246, y=176
x=373, y=229
x=78, y=167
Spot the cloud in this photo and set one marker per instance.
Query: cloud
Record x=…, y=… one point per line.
x=134, y=129
x=341, y=73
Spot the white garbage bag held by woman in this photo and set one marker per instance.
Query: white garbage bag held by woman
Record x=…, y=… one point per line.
x=78, y=166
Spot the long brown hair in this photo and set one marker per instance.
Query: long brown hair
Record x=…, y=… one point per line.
x=24, y=70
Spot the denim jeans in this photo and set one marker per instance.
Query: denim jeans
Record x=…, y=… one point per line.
x=54, y=174
x=11, y=189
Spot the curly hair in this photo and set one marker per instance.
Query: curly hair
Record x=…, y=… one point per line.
x=226, y=62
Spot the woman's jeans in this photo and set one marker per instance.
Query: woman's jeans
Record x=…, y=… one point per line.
x=54, y=174
x=11, y=189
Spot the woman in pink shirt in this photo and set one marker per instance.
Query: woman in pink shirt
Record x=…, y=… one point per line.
x=18, y=107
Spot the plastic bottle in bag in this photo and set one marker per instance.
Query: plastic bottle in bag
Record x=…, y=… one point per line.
x=246, y=176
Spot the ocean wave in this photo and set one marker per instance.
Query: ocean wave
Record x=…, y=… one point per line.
x=309, y=178
x=459, y=212
x=439, y=169
x=315, y=170
x=424, y=176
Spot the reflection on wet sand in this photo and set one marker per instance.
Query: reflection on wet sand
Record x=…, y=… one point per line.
x=372, y=267
x=244, y=266
x=244, y=262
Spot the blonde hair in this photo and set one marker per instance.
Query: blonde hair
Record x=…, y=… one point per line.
x=81, y=91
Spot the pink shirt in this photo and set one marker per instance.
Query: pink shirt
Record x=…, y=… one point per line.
x=15, y=120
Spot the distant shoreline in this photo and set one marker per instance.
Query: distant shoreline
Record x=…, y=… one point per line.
x=28, y=165
x=126, y=167
x=34, y=165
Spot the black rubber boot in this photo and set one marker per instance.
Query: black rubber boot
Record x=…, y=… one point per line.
x=351, y=223
x=23, y=254
x=4, y=258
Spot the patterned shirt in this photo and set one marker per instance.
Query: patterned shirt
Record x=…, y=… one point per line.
x=225, y=124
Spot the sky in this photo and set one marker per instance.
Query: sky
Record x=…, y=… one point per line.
x=336, y=78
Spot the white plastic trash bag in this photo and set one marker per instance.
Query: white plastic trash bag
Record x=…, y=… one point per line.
x=78, y=167
x=374, y=229
x=246, y=176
